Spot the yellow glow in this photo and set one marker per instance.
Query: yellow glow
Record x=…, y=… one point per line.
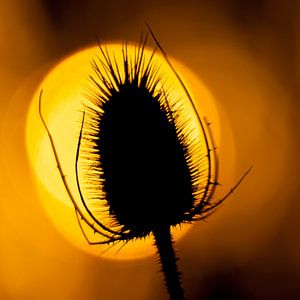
x=62, y=108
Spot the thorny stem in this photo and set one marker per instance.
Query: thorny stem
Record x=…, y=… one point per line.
x=163, y=242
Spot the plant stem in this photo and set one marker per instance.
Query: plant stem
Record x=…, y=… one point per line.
x=163, y=242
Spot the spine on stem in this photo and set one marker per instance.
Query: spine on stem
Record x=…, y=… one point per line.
x=168, y=260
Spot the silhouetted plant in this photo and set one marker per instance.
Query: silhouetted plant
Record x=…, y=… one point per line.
x=140, y=161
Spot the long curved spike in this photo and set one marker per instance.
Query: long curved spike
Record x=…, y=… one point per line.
x=165, y=55
x=62, y=175
x=78, y=216
x=209, y=193
x=79, y=187
x=210, y=209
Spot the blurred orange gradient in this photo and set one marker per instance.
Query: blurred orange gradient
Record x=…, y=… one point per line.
x=247, y=55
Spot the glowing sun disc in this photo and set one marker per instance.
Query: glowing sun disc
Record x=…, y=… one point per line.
x=62, y=109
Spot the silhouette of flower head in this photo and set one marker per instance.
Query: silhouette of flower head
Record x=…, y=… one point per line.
x=140, y=160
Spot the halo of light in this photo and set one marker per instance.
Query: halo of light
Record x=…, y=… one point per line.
x=62, y=109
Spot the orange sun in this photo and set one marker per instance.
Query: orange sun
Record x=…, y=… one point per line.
x=63, y=101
